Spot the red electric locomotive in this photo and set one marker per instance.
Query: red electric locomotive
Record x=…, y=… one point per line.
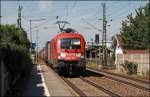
x=66, y=52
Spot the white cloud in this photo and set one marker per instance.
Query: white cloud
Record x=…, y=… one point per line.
x=44, y=4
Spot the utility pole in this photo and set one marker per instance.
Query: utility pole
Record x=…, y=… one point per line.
x=31, y=32
x=94, y=27
x=104, y=48
x=30, y=38
x=0, y=18
x=19, y=16
x=37, y=42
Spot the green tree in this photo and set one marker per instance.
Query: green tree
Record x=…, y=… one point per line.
x=14, y=49
x=10, y=35
x=135, y=30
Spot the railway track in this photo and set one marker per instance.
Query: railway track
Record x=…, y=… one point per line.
x=100, y=87
x=77, y=83
x=79, y=91
x=76, y=89
x=129, y=81
x=82, y=93
x=128, y=77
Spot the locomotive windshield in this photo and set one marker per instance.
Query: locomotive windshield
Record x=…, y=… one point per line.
x=70, y=43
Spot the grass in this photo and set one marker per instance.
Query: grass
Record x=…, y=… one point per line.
x=92, y=65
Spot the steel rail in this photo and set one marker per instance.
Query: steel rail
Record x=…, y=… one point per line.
x=131, y=78
x=120, y=79
x=75, y=88
x=101, y=87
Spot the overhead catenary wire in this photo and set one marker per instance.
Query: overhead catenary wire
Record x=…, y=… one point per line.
x=118, y=10
x=121, y=12
x=74, y=4
x=67, y=9
x=91, y=25
x=39, y=24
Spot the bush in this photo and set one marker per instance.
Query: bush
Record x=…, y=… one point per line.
x=147, y=73
x=130, y=67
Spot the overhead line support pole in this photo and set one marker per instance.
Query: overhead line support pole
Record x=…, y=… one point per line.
x=30, y=38
x=104, y=36
x=19, y=16
x=37, y=42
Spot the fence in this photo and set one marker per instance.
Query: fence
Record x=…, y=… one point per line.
x=141, y=59
x=92, y=61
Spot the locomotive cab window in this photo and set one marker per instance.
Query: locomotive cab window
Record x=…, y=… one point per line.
x=70, y=43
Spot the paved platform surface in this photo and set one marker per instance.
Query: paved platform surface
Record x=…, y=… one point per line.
x=56, y=86
x=44, y=83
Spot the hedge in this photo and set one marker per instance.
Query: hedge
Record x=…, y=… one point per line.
x=14, y=50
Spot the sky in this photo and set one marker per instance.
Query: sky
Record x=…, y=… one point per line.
x=80, y=14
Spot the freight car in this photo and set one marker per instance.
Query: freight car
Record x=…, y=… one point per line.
x=42, y=54
x=66, y=52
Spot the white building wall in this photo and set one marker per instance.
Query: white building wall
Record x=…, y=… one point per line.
x=141, y=59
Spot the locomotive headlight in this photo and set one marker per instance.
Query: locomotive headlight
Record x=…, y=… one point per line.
x=59, y=57
x=63, y=54
x=78, y=55
x=82, y=56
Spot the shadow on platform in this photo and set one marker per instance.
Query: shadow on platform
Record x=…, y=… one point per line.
x=34, y=86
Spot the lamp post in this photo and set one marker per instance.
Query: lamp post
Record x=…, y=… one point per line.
x=31, y=32
x=37, y=42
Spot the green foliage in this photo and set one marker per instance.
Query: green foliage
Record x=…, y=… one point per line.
x=92, y=65
x=135, y=30
x=130, y=67
x=14, y=49
x=10, y=34
x=148, y=73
